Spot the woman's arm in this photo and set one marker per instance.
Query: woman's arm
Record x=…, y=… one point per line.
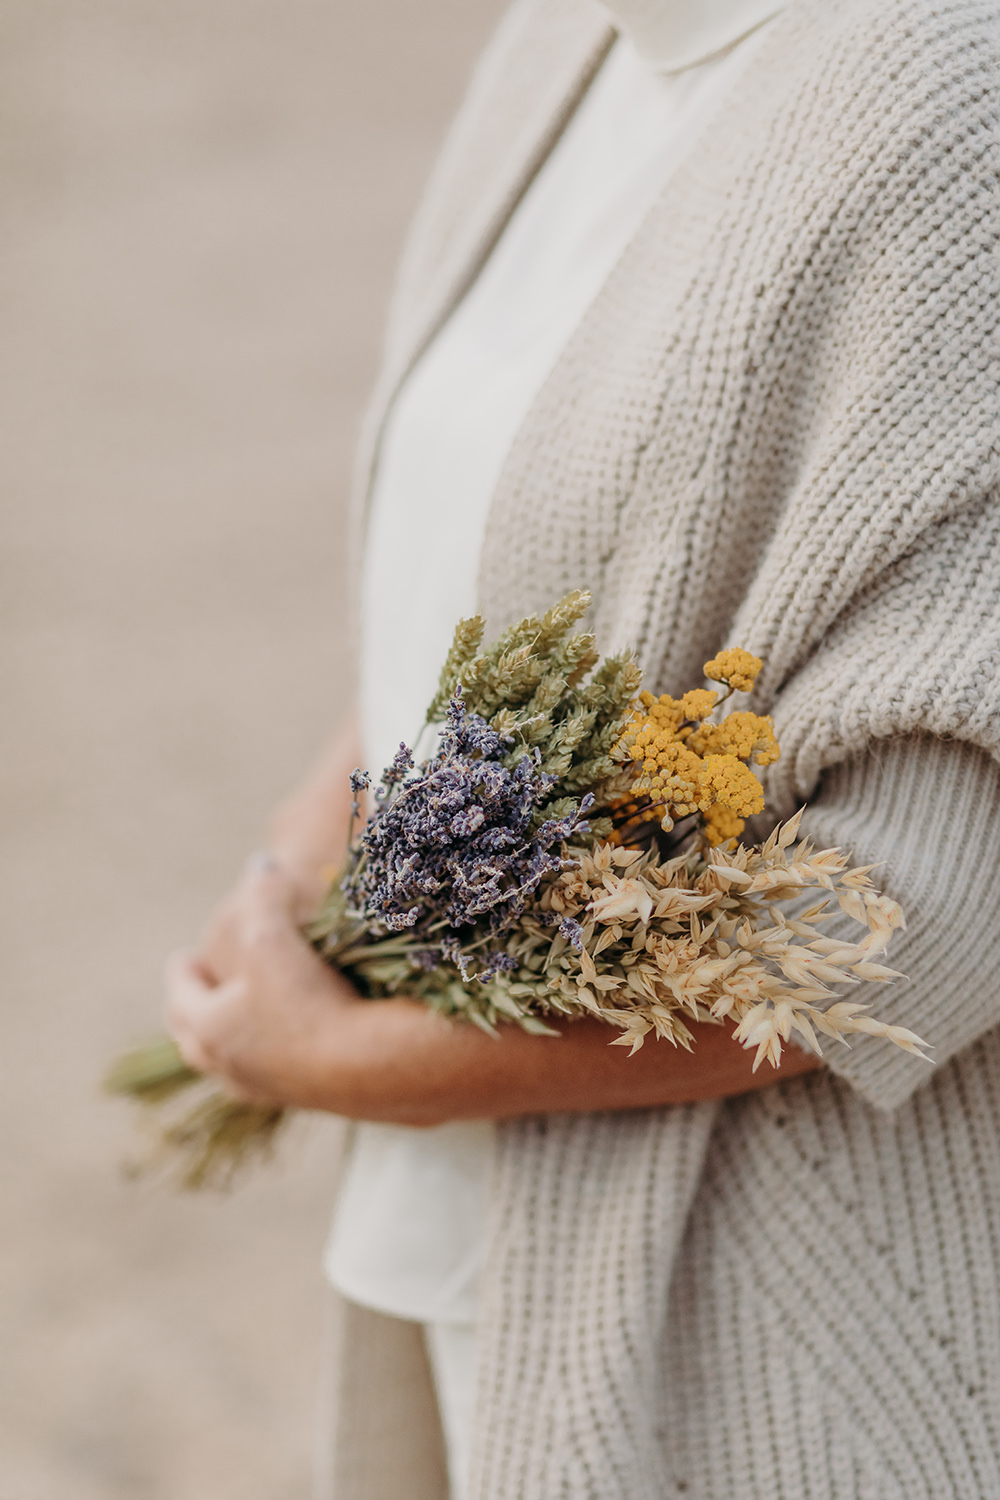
x=281, y=1026
x=307, y=834
x=310, y=828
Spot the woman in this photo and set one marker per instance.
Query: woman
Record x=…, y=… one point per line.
x=699, y=313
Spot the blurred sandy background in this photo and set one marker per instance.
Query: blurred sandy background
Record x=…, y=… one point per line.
x=201, y=204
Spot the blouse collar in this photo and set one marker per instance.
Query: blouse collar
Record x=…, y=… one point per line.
x=671, y=35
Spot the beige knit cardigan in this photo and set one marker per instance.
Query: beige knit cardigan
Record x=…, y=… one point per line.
x=779, y=427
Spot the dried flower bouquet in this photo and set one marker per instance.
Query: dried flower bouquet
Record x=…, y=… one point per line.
x=569, y=847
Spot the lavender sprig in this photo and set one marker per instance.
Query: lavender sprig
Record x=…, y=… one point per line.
x=454, y=841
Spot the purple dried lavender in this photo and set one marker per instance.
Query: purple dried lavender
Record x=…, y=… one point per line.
x=397, y=771
x=572, y=931
x=452, y=840
x=450, y=949
x=496, y=963
x=360, y=782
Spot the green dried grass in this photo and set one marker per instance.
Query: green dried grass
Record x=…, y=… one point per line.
x=210, y=1139
x=543, y=684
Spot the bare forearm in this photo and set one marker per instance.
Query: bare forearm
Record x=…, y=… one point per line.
x=411, y=1067
x=309, y=829
x=395, y=1061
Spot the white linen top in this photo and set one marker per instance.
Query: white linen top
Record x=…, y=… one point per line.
x=408, y=1234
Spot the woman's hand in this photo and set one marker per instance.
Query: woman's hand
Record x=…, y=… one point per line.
x=280, y=1026
x=255, y=1005
x=308, y=835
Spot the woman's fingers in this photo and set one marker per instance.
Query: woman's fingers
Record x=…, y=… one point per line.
x=219, y=946
x=266, y=1026
x=199, y=1011
x=276, y=955
x=188, y=994
x=221, y=949
x=268, y=896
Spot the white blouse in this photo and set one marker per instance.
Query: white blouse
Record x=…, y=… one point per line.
x=408, y=1232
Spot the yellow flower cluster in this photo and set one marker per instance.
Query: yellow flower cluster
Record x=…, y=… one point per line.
x=697, y=704
x=685, y=766
x=725, y=779
x=747, y=736
x=737, y=669
x=722, y=825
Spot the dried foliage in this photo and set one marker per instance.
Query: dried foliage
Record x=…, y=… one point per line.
x=570, y=848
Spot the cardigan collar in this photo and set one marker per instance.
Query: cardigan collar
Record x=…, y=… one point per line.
x=671, y=35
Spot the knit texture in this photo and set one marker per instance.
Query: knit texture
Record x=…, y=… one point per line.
x=578, y=1311
x=777, y=427
x=833, y=1325
x=927, y=812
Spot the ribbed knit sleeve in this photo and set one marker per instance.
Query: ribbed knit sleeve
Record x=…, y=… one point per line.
x=928, y=812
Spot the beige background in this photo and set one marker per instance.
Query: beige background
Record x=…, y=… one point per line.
x=201, y=203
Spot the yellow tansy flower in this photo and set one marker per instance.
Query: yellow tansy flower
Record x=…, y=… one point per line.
x=722, y=824
x=684, y=765
x=726, y=779
x=698, y=703
x=750, y=736
x=738, y=669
